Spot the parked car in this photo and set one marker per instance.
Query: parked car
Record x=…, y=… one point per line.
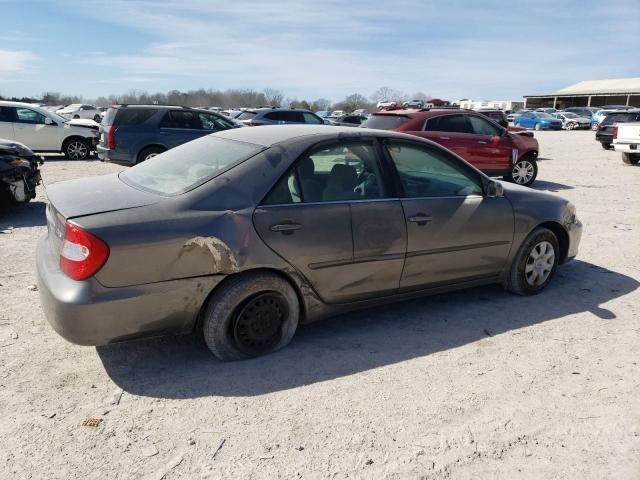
x=78, y=110
x=474, y=137
x=278, y=116
x=349, y=120
x=537, y=121
x=626, y=139
x=546, y=110
x=382, y=104
x=131, y=134
x=337, y=113
x=19, y=173
x=571, y=121
x=323, y=114
x=585, y=112
x=497, y=116
x=247, y=233
x=44, y=131
x=604, y=133
x=413, y=104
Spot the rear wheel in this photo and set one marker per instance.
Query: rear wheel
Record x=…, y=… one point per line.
x=630, y=158
x=76, y=149
x=535, y=263
x=605, y=145
x=523, y=172
x=76, y=116
x=148, y=153
x=97, y=118
x=250, y=315
x=571, y=126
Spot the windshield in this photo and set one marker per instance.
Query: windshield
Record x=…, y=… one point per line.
x=185, y=167
x=543, y=115
x=246, y=116
x=385, y=122
x=570, y=115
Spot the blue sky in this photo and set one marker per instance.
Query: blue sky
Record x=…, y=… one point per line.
x=486, y=49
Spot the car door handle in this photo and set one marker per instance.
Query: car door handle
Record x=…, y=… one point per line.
x=420, y=219
x=444, y=138
x=285, y=228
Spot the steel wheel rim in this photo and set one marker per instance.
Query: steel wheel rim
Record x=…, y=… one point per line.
x=257, y=328
x=540, y=263
x=77, y=150
x=523, y=172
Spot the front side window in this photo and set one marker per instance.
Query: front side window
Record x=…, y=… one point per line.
x=311, y=118
x=427, y=172
x=214, y=122
x=481, y=127
x=339, y=172
x=26, y=115
x=181, y=119
x=448, y=123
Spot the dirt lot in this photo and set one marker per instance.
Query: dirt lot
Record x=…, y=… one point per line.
x=478, y=384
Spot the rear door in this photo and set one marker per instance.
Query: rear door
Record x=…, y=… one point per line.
x=180, y=126
x=490, y=150
x=332, y=219
x=452, y=131
x=454, y=233
x=7, y=117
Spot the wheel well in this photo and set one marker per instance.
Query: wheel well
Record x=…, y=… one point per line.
x=69, y=139
x=153, y=145
x=562, y=236
x=533, y=154
x=273, y=271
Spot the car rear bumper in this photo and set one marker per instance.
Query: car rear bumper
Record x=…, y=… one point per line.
x=627, y=147
x=87, y=313
x=107, y=155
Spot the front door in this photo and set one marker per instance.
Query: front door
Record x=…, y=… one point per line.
x=30, y=128
x=331, y=219
x=454, y=232
x=491, y=149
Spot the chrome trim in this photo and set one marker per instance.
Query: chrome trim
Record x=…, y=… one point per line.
x=352, y=261
x=376, y=200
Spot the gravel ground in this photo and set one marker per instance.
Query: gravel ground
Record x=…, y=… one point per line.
x=475, y=384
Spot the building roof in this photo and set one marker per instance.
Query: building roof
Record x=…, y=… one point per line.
x=597, y=87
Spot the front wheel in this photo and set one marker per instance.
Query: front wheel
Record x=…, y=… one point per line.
x=606, y=145
x=535, y=263
x=250, y=315
x=148, y=153
x=523, y=172
x=76, y=149
x=630, y=158
x=571, y=126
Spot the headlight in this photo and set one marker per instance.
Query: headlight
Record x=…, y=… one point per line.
x=572, y=212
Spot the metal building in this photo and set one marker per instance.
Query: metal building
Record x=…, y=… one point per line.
x=590, y=93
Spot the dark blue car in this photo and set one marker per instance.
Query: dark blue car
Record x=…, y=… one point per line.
x=537, y=121
x=131, y=134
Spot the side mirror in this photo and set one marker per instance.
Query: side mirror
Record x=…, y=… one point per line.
x=326, y=122
x=494, y=189
x=48, y=121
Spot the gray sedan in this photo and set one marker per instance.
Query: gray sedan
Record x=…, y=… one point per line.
x=245, y=234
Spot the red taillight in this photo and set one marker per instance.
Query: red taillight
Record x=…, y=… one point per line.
x=600, y=126
x=615, y=132
x=111, y=138
x=82, y=254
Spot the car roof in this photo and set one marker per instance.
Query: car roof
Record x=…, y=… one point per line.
x=268, y=135
x=425, y=113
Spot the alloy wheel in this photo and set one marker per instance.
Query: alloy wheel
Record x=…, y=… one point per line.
x=540, y=263
x=77, y=151
x=522, y=172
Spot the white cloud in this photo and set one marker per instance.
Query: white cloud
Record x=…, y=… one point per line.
x=16, y=62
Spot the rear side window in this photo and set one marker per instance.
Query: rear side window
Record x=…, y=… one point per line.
x=385, y=122
x=181, y=119
x=482, y=127
x=448, y=123
x=185, y=167
x=246, y=116
x=285, y=116
x=127, y=116
x=7, y=114
x=311, y=118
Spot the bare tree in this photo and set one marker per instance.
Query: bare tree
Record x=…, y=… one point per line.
x=273, y=96
x=320, y=104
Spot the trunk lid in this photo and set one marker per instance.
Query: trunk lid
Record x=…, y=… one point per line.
x=93, y=195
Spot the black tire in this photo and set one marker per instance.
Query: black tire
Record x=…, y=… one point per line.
x=571, y=126
x=97, y=118
x=516, y=281
x=605, y=145
x=630, y=158
x=76, y=116
x=149, y=152
x=227, y=331
x=516, y=175
x=76, y=148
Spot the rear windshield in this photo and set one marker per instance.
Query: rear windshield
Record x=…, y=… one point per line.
x=619, y=117
x=127, y=116
x=246, y=116
x=185, y=167
x=385, y=122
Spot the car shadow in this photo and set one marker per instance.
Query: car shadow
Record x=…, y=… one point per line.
x=15, y=216
x=182, y=367
x=543, y=185
x=59, y=157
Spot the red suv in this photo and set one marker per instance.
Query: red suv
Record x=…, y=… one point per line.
x=474, y=137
